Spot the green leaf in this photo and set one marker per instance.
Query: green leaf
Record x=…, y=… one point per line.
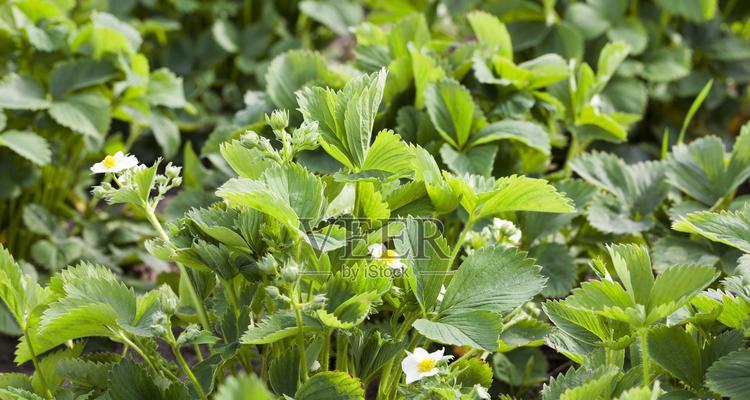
x=332, y=385
x=521, y=367
x=87, y=113
x=730, y=375
x=676, y=286
x=288, y=193
x=676, y=351
x=243, y=387
x=28, y=145
x=338, y=16
x=491, y=32
x=21, y=93
x=729, y=227
x=426, y=71
x=427, y=253
x=68, y=76
x=165, y=89
x=277, y=327
x=632, y=32
x=527, y=133
x=129, y=380
x=247, y=162
x=633, y=267
x=478, y=160
x=20, y=292
x=389, y=153
x=93, y=302
x=573, y=378
x=89, y=373
x=292, y=71
x=166, y=133
x=474, y=371
x=439, y=191
x=345, y=118
x=520, y=193
x=693, y=109
x=587, y=19
x=564, y=40
x=593, y=388
x=700, y=170
x=492, y=279
x=672, y=250
x=39, y=220
x=477, y=329
x=105, y=21
x=558, y=266
x=225, y=34
x=610, y=58
x=692, y=10
x=452, y=110
x=667, y=64
x=526, y=332
x=636, y=191
x=356, y=108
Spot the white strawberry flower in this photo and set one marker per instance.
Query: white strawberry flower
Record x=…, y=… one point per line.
x=422, y=364
x=481, y=392
x=390, y=257
x=116, y=163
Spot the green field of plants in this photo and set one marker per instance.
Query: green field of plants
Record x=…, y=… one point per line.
x=374, y=199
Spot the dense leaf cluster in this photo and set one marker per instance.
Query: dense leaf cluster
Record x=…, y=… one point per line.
x=553, y=191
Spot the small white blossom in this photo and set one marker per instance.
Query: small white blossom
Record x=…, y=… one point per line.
x=422, y=364
x=507, y=229
x=390, y=257
x=482, y=393
x=116, y=163
x=315, y=366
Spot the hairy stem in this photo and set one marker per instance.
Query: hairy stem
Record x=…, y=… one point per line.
x=461, y=238
x=644, y=356
x=38, y=370
x=186, y=368
x=196, y=300
x=294, y=295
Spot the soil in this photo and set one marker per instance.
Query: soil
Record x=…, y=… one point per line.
x=7, y=351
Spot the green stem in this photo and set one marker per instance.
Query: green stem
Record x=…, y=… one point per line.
x=197, y=302
x=461, y=239
x=341, y=350
x=326, y=352
x=231, y=295
x=644, y=356
x=573, y=150
x=145, y=357
x=186, y=368
x=38, y=370
x=295, y=296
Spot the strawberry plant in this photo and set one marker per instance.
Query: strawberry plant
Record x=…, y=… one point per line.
x=375, y=200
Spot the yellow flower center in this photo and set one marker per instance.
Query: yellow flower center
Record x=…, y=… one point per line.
x=109, y=162
x=426, y=365
x=389, y=255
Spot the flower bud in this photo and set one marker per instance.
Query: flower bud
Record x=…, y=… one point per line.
x=172, y=171
x=99, y=192
x=278, y=120
x=176, y=181
x=267, y=264
x=290, y=273
x=273, y=292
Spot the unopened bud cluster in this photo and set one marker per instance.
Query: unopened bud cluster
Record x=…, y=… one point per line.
x=500, y=233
